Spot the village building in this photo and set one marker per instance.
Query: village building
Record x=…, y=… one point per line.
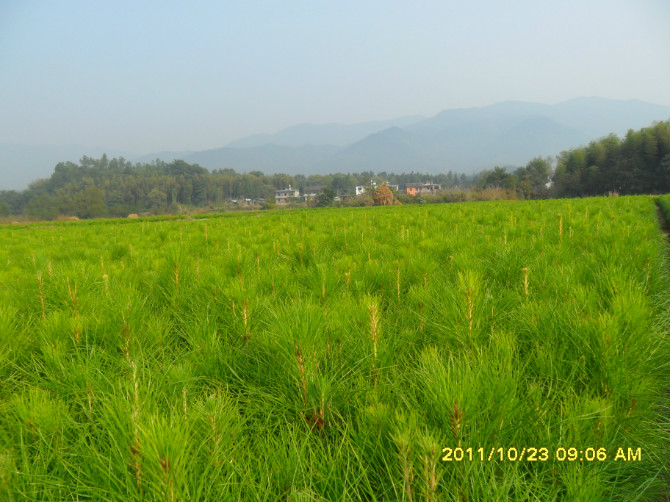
x=421, y=188
x=283, y=196
x=360, y=189
x=310, y=192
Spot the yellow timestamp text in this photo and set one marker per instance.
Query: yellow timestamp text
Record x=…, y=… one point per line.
x=541, y=454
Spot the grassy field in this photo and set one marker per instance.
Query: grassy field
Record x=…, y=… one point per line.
x=339, y=355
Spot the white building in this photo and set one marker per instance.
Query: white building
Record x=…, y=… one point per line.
x=283, y=196
x=360, y=190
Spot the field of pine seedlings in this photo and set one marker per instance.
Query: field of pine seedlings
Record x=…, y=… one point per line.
x=465, y=352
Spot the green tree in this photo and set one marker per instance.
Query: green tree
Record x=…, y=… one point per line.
x=325, y=198
x=499, y=178
x=90, y=202
x=43, y=207
x=533, y=178
x=156, y=199
x=5, y=210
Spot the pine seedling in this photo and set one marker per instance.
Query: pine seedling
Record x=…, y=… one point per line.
x=403, y=442
x=184, y=403
x=469, y=283
x=456, y=421
x=374, y=335
x=430, y=459
x=423, y=321
x=407, y=468
x=41, y=293
x=398, y=283
x=176, y=278
x=470, y=299
x=301, y=368
x=245, y=319
x=89, y=391
x=75, y=310
x=136, y=393
x=125, y=329
x=525, y=280
x=216, y=436
x=167, y=479
x=374, y=328
x=73, y=298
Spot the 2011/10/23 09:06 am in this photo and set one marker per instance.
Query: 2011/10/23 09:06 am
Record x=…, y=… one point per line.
x=531, y=454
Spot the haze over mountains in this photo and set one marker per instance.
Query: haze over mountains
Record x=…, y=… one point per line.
x=461, y=140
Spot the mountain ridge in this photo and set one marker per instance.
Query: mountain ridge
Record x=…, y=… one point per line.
x=463, y=140
x=460, y=139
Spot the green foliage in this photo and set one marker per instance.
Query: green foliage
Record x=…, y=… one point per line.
x=527, y=182
x=332, y=354
x=94, y=188
x=638, y=163
x=105, y=187
x=325, y=198
x=499, y=178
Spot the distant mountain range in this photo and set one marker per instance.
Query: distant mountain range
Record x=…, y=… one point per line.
x=324, y=134
x=463, y=140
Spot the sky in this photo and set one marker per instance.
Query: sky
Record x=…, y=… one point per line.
x=151, y=76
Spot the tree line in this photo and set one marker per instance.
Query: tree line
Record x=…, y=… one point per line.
x=116, y=187
x=637, y=163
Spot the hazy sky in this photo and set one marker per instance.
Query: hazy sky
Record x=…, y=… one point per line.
x=145, y=76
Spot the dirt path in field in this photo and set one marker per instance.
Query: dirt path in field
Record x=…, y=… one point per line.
x=665, y=224
x=665, y=228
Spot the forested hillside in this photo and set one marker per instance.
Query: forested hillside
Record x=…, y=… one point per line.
x=638, y=163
